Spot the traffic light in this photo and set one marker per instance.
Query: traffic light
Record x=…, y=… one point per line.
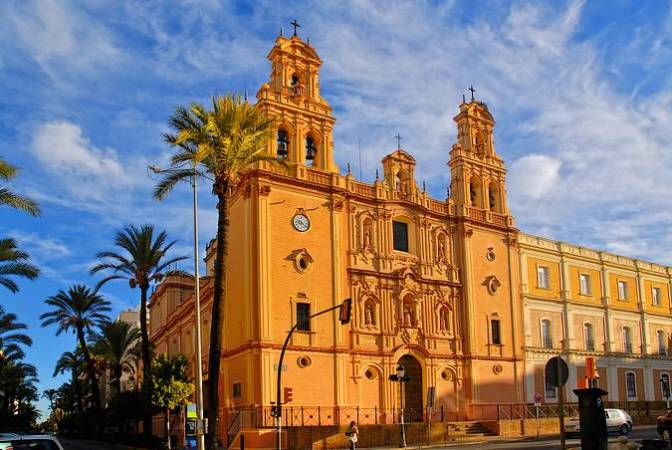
x=274, y=411
x=346, y=311
x=288, y=395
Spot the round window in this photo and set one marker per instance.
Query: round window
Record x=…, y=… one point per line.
x=446, y=375
x=304, y=361
x=303, y=263
x=370, y=374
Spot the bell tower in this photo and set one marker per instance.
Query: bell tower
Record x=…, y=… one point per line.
x=477, y=172
x=304, y=121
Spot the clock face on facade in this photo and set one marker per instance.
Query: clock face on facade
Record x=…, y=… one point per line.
x=301, y=222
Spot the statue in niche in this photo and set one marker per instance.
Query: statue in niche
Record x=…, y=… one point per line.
x=367, y=234
x=441, y=248
x=369, y=313
x=409, y=314
x=444, y=319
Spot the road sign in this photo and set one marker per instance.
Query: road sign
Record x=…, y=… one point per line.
x=557, y=371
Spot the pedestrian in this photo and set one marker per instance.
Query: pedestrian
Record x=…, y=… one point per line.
x=352, y=433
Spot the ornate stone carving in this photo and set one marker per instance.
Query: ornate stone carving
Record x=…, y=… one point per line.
x=265, y=190
x=492, y=283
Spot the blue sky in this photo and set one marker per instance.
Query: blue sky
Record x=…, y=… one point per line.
x=582, y=95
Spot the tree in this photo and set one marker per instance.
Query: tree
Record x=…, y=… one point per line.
x=11, y=340
x=117, y=343
x=14, y=262
x=80, y=309
x=17, y=381
x=142, y=259
x=72, y=361
x=171, y=387
x=221, y=144
x=12, y=199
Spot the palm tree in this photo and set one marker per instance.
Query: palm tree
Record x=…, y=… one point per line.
x=17, y=380
x=79, y=309
x=13, y=262
x=221, y=144
x=10, y=339
x=72, y=361
x=142, y=260
x=12, y=199
x=118, y=345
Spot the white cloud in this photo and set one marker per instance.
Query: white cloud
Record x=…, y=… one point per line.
x=533, y=176
x=60, y=38
x=44, y=248
x=82, y=169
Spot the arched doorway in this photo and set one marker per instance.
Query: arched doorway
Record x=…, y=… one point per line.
x=413, y=406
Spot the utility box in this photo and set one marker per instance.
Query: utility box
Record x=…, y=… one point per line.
x=592, y=418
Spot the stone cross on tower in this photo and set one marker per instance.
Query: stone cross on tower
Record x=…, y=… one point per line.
x=296, y=25
x=471, y=88
x=399, y=138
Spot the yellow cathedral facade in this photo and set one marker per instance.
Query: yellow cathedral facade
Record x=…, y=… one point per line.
x=449, y=288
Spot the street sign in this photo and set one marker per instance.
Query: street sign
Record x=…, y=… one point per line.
x=557, y=371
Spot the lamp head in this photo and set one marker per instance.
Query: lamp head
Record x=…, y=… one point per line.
x=401, y=371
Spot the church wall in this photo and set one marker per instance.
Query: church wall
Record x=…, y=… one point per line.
x=291, y=285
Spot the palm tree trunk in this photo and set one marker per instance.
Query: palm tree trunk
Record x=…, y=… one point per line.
x=219, y=297
x=91, y=372
x=146, y=364
x=117, y=376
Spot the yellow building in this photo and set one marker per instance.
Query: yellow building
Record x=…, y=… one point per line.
x=580, y=302
x=434, y=283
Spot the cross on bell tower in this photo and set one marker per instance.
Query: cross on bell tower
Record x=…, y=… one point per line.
x=398, y=138
x=296, y=25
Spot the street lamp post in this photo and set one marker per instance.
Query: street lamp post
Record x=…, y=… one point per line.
x=401, y=378
x=200, y=437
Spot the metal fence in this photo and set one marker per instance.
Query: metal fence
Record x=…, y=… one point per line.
x=315, y=416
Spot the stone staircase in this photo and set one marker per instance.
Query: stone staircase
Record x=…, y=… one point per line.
x=467, y=431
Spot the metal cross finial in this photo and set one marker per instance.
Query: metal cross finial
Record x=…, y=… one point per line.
x=399, y=138
x=296, y=25
x=471, y=88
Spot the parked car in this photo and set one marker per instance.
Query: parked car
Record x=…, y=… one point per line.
x=6, y=446
x=664, y=426
x=617, y=420
x=31, y=442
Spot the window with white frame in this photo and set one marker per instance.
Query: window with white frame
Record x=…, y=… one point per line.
x=655, y=296
x=627, y=340
x=622, y=290
x=546, y=336
x=662, y=342
x=588, y=337
x=543, y=276
x=584, y=284
x=631, y=385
